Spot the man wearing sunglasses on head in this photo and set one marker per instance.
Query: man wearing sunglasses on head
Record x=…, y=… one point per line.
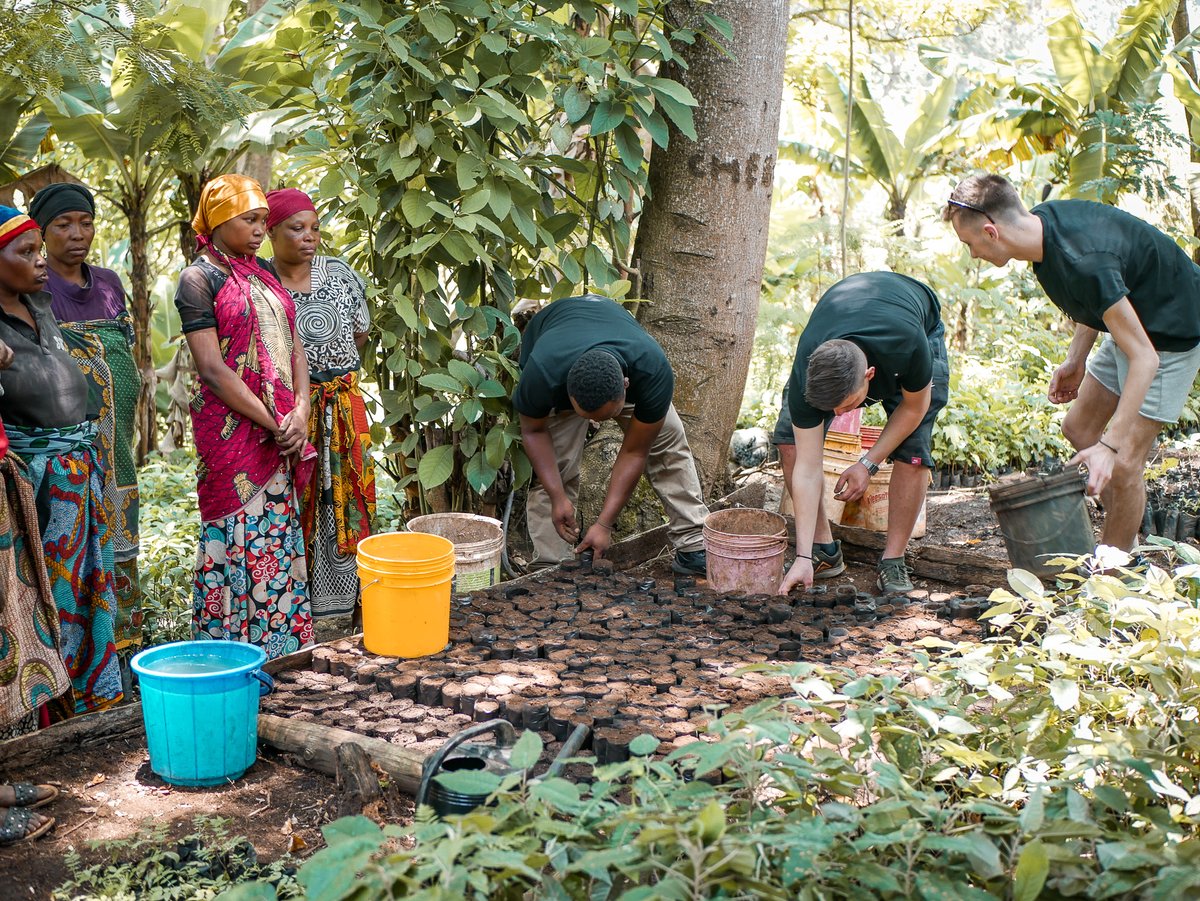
x=874, y=337
x=1109, y=272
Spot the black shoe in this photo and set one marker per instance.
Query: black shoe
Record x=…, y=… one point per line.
x=826, y=566
x=690, y=563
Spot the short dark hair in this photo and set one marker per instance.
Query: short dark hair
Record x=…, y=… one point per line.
x=835, y=369
x=983, y=195
x=595, y=379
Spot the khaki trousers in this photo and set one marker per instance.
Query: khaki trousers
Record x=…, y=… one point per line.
x=670, y=469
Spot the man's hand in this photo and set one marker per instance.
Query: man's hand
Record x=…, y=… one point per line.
x=1064, y=384
x=6, y=355
x=801, y=573
x=853, y=483
x=598, y=538
x=563, y=514
x=1099, y=460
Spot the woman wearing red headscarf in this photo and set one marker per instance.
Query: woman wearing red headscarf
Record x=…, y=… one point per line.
x=332, y=318
x=250, y=416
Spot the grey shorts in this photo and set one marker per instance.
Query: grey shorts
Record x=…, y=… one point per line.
x=1169, y=390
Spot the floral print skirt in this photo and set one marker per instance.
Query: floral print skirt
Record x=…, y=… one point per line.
x=251, y=580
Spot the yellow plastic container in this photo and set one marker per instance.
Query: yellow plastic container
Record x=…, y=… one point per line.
x=406, y=579
x=871, y=510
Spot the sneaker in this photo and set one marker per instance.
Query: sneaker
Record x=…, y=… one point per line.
x=893, y=577
x=691, y=563
x=826, y=566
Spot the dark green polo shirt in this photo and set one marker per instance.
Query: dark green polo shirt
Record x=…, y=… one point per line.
x=561, y=333
x=890, y=316
x=1094, y=254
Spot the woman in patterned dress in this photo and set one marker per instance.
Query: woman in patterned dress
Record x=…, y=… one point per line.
x=45, y=408
x=332, y=318
x=89, y=303
x=250, y=416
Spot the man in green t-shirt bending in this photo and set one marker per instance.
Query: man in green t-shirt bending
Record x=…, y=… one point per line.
x=585, y=359
x=1109, y=272
x=874, y=337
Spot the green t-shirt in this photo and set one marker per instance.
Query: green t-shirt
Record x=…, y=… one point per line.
x=1093, y=255
x=890, y=316
x=561, y=333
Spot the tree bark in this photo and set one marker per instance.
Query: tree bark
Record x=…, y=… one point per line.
x=702, y=239
x=136, y=206
x=1180, y=28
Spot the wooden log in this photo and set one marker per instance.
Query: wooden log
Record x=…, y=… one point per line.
x=315, y=746
x=80, y=731
x=954, y=565
x=358, y=785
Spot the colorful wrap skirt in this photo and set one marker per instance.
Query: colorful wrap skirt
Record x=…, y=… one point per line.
x=68, y=488
x=338, y=504
x=31, y=666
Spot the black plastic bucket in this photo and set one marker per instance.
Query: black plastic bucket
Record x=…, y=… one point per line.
x=1043, y=517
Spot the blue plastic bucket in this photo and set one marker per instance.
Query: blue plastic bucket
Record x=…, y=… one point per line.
x=200, y=706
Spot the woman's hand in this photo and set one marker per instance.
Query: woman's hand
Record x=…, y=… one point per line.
x=293, y=432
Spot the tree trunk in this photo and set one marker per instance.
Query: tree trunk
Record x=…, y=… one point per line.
x=146, y=419
x=1180, y=28
x=702, y=239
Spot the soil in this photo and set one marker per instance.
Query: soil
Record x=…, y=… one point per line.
x=110, y=793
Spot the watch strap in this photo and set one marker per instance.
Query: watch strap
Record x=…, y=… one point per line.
x=872, y=468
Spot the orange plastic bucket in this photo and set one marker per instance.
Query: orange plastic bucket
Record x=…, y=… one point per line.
x=406, y=580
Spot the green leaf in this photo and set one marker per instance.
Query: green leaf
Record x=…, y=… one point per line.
x=439, y=25
x=463, y=371
x=490, y=388
x=415, y=206
x=575, y=104
x=607, y=116
x=643, y=745
x=527, y=751
x=480, y=474
x=469, y=782
x=437, y=465
x=629, y=146
x=251, y=891
x=433, y=411
x=441, y=381
x=557, y=792
x=665, y=87
x=1032, y=869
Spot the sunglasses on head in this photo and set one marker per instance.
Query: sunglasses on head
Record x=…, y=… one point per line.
x=972, y=208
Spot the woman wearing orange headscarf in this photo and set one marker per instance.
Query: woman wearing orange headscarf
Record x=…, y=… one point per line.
x=250, y=418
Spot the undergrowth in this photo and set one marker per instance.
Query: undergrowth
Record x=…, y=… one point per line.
x=1059, y=757
x=152, y=867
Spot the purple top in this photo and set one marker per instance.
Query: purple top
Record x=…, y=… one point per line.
x=103, y=298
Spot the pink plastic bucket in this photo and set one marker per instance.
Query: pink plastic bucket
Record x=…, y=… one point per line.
x=745, y=550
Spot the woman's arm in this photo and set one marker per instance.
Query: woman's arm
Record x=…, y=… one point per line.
x=294, y=428
x=223, y=381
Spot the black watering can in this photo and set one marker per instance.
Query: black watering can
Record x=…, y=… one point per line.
x=457, y=754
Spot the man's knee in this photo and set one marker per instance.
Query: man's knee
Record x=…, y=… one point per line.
x=1079, y=434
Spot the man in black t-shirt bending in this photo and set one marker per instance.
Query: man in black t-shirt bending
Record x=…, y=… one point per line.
x=872, y=337
x=1109, y=272
x=585, y=359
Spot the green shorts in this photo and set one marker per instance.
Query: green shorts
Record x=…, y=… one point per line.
x=1171, y=386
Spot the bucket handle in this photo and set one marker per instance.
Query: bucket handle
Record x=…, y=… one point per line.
x=505, y=736
x=266, y=683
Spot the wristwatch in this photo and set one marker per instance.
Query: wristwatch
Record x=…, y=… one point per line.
x=871, y=468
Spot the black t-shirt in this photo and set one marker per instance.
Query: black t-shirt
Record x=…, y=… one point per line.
x=44, y=387
x=890, y=316
x=196, y=294
x=561, y=333
x=1093, y=255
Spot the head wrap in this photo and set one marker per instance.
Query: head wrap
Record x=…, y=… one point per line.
x=12, y=223
x=61, y=197
x=286, y=202
x=225, y=197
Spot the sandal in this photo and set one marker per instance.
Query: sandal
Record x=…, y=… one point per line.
x=15, y=827
x=26, y=795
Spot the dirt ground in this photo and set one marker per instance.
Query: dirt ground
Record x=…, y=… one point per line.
x=110, y=793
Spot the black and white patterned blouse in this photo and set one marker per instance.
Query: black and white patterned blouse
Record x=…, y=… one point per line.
x=331, y=314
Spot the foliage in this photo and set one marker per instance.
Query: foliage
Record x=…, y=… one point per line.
x=169, y=520
x=1060, y=757
x=153, y=867
x=492, y=151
